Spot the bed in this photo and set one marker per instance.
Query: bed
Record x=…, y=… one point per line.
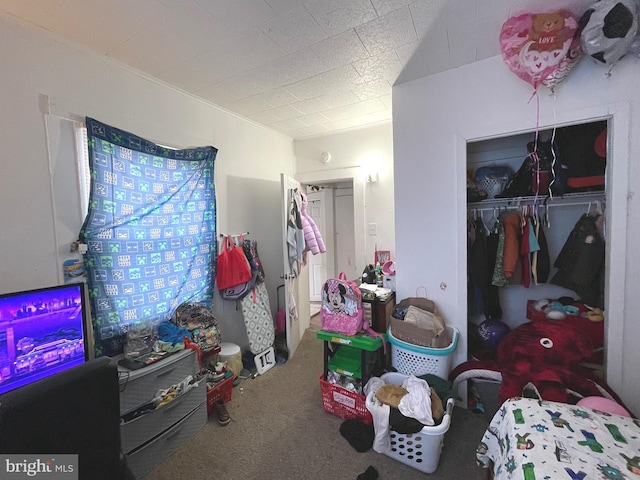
x=536, y=439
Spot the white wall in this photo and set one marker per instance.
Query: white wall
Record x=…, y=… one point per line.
x=368, y=150
x=38, y=70
x=435, y=116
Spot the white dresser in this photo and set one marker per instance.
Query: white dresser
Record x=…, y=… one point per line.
x=148, y=439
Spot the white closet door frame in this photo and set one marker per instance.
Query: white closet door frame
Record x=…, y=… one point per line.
x=618, y=116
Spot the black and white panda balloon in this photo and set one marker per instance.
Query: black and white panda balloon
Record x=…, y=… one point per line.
x=609, y=28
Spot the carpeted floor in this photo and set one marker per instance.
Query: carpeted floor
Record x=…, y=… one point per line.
x=279, y=430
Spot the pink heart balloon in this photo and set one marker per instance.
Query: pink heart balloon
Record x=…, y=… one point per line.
x=565, y=64
x=540, y=48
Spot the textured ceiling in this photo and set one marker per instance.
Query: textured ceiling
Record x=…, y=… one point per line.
x=301, y=67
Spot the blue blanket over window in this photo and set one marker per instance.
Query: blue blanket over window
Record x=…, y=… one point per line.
x=150, y=230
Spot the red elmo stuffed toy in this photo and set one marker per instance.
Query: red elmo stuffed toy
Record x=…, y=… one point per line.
x=544, y=354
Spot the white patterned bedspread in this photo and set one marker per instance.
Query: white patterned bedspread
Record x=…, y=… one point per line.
x=539, y=440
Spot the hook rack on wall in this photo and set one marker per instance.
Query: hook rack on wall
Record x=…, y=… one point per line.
x=233, y=235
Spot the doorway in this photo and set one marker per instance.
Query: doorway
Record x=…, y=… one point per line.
x=332, y=207
x=351, y=176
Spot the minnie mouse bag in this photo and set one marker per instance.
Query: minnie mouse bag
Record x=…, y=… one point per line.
x=341, y=310
x=341, y=306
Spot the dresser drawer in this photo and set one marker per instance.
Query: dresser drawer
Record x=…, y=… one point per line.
x=144, y=428
x=152, y=454
x=138, y=387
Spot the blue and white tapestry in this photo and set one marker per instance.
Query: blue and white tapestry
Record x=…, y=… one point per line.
x=150, y=231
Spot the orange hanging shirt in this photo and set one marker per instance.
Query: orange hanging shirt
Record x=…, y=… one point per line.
x=511, y=224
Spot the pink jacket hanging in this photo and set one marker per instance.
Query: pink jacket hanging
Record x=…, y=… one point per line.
x=312, y=237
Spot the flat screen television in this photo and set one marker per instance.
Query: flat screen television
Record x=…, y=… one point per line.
x=43, y=332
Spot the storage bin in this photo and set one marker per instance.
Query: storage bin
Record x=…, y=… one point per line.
x=418, y=450
x=344, y=403
x=416, y=360
x=493, y=186
x=222, y=391
x=144, y=459
x=357, y=356
x=492, y=179
x=140, y=430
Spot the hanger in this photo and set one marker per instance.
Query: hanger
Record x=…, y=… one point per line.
x=496, y=220
x=524, y=213
x=546, y=215
x=599, y=209
x=479, y=216
x=484, y=225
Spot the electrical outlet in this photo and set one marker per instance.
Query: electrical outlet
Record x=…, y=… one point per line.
x=373, y=229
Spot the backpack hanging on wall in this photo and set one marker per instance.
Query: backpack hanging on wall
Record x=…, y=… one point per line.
x=232, y=265
x=238, y=292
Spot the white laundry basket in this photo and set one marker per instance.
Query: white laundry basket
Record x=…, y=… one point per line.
x=418, y=450
x=416, y=360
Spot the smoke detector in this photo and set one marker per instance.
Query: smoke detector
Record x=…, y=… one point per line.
x=325, y=157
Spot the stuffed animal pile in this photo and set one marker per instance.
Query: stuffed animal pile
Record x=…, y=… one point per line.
x=544, y=356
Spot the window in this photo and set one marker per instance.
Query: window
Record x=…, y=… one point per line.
x=149, y=231
x=84, y=171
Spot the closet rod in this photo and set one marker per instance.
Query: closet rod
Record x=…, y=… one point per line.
x=562, y=200
x=541, y=205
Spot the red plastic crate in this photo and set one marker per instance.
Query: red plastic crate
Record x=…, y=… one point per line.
x=344, y=403
x=222, y=391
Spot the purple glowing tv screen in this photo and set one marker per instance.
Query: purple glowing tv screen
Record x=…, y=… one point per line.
x=42, y=332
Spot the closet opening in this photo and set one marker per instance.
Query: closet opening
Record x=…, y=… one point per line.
x=537, y=215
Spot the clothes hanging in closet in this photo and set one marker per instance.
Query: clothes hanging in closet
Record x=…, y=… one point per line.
x=483, y=296
x=499, y=279
x=528, y=246
x=515, y=252
x=581, y=261
x=522, y=254
x=541, y=262
x=494, y=309
x=512, y=235
x=477, y=267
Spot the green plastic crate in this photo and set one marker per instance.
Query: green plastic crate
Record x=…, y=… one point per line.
x=347, y=361
x=362, y=341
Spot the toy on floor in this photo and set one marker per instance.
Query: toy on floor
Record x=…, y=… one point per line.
x=544, y=355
